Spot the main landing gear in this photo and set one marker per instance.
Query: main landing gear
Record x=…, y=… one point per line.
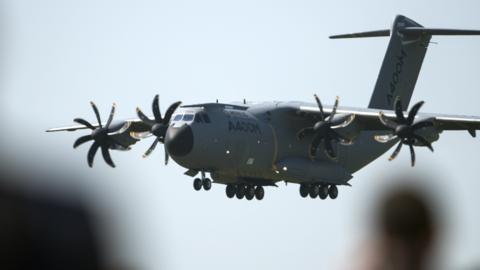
x=245, y=191
x=204, y=182
x=321, y=191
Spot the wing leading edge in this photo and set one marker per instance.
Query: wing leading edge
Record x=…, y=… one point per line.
x=129, y=132
x=370, y=121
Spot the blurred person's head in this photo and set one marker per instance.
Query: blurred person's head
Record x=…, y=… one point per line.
x=407, y=228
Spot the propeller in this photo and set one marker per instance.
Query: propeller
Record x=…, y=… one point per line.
x=100, y=136
x=159, y=125
x=324, y=130
x=404, y=129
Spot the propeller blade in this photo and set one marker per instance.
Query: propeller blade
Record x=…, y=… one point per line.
x=387, y=122
x=385, y=138
x=304, y=132
x=412, y=154
x=406, y=133
x=156, y=110
x=395, y=153
x=314, y=145
x=413, y=112
x=345, y=141
x=110, y=117
x=107, y=157
x=422, y=124
x=82, y=140
x=97, y=114
x=329, y=148
x=140, y=135
x=119, y=128
x=334, y=110
x=319, y=104
x=170, y=112
x=151, y=148
x=343, y=121
x=423, y=141
x=399, y=111
x=325, y=130
x=144, y=118
x=84, y=122
x=92, y=152
x=333, y=134
x=166, y=156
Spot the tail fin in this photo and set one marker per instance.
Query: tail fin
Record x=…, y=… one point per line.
x=403, y=60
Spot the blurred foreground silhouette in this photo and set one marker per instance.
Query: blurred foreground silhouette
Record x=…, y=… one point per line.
x=405, y=232
x=39, y=230
x=408, y=228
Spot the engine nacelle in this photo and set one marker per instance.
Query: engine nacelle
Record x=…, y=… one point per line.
x=431, y=134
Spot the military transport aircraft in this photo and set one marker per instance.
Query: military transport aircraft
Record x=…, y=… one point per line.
x=247, y=146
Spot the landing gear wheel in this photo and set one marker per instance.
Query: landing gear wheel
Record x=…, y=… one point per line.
x=333, y=192
x=240, y=192
x=313, y=191
x=259, y=193
x=197, y=184
x=230, y=190
x=207, y=184
x=250, y=193
x=304, y=190
x=323, y=193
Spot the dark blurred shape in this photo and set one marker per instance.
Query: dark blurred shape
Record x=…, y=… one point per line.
x=405, y=217
x=39, y=230
x=407, y=226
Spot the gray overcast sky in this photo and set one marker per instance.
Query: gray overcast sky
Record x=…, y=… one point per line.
x=59, y=55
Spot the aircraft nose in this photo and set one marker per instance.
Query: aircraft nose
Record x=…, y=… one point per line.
x=179, y=141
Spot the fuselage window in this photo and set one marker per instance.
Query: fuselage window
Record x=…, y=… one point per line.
x=206, y=118
x=177, y=117
x=187, y=117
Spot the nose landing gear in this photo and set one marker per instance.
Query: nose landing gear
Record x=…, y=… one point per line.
x=204, y=182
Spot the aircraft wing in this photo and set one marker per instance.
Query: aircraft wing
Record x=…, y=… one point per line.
x=129, y=131
x=135, y=125
x=368, y=118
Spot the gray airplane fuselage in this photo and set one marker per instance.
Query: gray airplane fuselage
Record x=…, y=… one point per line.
x=257, y=142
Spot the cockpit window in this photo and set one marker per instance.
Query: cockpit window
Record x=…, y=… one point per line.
x=187, y=117
x=177, y=117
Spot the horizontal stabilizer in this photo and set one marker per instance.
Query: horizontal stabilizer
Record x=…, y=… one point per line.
x=413, y=31
x=438, y=31
x=377, y=33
